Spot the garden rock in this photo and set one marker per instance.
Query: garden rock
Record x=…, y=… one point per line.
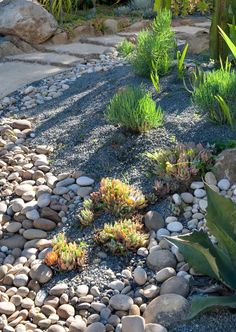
x=155, y=328
x=140, y=275
x=159, y=259
x=110, y=26
x=27, y=20
x=154, y=220
x=7, y=308
x=95, y=327
x=41, y=272
x=165, y=274
x=167, y=310
x=121, y=302
x=225, y=165
x=133, y=324
x=175, y=285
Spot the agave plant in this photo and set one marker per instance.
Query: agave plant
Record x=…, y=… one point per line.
x=217, y=261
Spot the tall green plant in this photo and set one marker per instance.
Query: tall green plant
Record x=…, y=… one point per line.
x=58, y=7
x=161, y=4
x=216, y=261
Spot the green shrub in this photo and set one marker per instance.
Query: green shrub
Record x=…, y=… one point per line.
x=135, y=110
x=217, y=83
x=156, y=45
x=125, y=48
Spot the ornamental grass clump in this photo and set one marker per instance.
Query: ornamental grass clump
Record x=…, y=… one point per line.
x=135, y=110
x=155, y=45
x=65, y=255
x=216, y=95
x=123, y=236
x=177, y=166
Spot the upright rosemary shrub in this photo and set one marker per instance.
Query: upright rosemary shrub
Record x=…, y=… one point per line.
x=155, y=45
x=217, y=88
x=135, y=110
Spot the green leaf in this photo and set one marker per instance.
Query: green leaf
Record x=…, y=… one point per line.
x=195, y=248
x=228, y=41
x=221, y=222
x=200, y=304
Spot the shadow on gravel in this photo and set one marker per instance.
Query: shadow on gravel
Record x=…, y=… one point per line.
x=75, y=125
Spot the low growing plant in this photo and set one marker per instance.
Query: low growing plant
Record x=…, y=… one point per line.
x=175, y=167
x=216, y=95
x=157, y=44
x=118, y=198
x=66, y=255
x=123, y=236
x=216, y=261
x=125, y=48
x=135, y=110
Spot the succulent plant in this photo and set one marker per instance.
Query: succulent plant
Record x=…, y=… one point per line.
x=118, y=198
x=217, y=261
x=66, y=256
x=123, y=236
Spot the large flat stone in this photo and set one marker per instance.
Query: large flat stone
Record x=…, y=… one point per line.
x=110, y=40
x=89, y=51
x=62, y=60
x=188, y=30
x=14, y=75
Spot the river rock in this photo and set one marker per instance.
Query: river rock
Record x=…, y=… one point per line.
x=121, y=302
x=155, y=328
x=41, y=272
x=7, y=308
x=167, y=310
x=44, y=224
x=159, y=259
x=133, y=324
x=175, y=285
x=140, y=275
x=154, y=220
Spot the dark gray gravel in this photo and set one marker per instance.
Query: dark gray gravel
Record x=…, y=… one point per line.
x=75, y=125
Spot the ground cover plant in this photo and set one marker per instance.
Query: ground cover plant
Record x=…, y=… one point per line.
x=216, y=95
x=66, y=255
x=135, y=110
x=176, y=167
x=155, y=45
x=114, y=196
x=123, y=236
x=215, y=260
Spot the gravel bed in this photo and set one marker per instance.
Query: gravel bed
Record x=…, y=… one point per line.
x=74, y=123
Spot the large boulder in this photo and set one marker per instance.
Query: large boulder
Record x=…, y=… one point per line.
x=27, y=20
x=225, y=166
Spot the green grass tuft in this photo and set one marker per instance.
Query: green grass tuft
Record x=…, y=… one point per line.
x=135, y=110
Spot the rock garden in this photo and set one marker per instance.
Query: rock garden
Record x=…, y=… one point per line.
x=117, y=168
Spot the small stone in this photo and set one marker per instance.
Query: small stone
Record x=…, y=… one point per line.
x=21, y=124
x=44, y=200
x=165, y=274
x=199, y=193
x=155, y=328
x=159, y=259
x=150, y=291
x=177, y=199
x=133, y=324
x=140, y=275
x=197, y=185
x=175, y=226
x=162, y=232
x=175, y=285
x=20, y=280
x=7, y=308
x=121, y=302
x=84, y=181
x=58, y=290
x=187, y=198
x=56, y=328
x=65, y=311
x=224, y=184
x=153, y=220
x=32, y=214
x=210, y=179
x=95, y=327
x=31, y=234
x=78, y=325
x=82, y=290
x=41, y=272
x=116, y=285
x=14, y=227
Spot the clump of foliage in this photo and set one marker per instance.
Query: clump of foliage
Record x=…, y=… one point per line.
x=216, y=261
x=125, y=48
x=157, y=44
x=220, y=145
x=135, y=110
x=216, y=95
x=118, y=198
x=177, y=166
x=123, y=236
x=66, y=255
x=186, y=7
x=114, y=196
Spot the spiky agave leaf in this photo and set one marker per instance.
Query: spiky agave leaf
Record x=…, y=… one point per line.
x=200, y=304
